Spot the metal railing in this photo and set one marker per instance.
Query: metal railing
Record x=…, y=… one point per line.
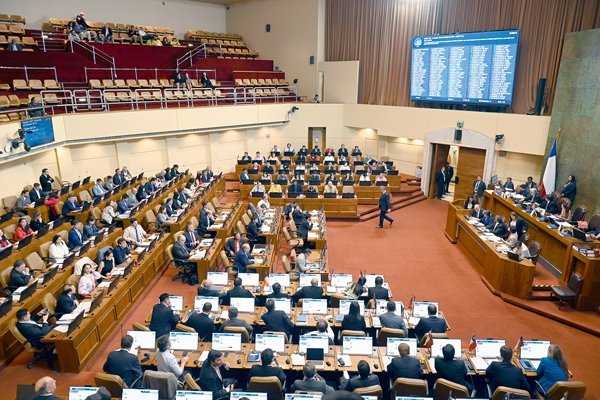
x=95, y=53
x=189, y=56
x=138, y=72
x=26, y=70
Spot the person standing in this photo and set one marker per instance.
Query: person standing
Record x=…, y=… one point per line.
x=384, y=207
x=440, y=180
x=449, y=173
x=478, y=187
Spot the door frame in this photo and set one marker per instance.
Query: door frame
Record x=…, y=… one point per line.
x=470, y=138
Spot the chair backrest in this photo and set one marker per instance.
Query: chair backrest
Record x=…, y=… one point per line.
x=246, y=219
x=216, y=202
x=194, y=222
x=575, y=282
x=224, y=259
x=334, y=300
x=266, y=384
x=44, y=249
x=164, y=382
x=12, y=326
x=410, y=387
x=594, y=221
x=113, y=383
x=524, y=238
x=238, y=329
x=190, y=383
x=445, y=389
x=503, y=392
x=35, y=262
x=286, y=234
x=49, y=302
x=535, y=248
x=9, y=202
x=374, y=390
x=278, y=333
x=5, y=277
x=385, y=333
x=84, y=195
x=573, y=390
x=9, y=231
x=287, y=267
x=73, y=280
x=579, y=213
x=347, y=332
x=170, y=252
x=292, y=223
x=150, y=217
x=96, y=213
x=138, y=326
x=240, y=227
x=435, y=336
x=184, y=328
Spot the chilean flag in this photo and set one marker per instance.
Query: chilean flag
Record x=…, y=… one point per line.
x=472, y=344
x=549, y=179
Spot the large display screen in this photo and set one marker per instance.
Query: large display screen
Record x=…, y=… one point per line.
x=474, y=68
x=39, y=131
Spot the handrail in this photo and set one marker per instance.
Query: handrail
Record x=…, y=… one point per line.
x=190, y=55
x=95, y=52
x=114, y=71
x=26, y=68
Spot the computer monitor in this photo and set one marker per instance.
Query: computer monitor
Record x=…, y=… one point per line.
x=345, y=306
x=282, y=279
x=341, y=280
x=371, y=279
x=192, y=395
x=243, y=304
x=306, y=278
x=488, y=348
x=315, y=355
x=313, y=341
x=176, y=303
x=284, y=305
x=357, y=345
x=314, y=306
x=394, y=342
x=381, y=307
x=302, y=396
x=420, y=308
x=248, y=395
x=199, y=302
x=81, y=392
x=436, y=348
x=267, y=341
x=184, y=341
x=218, y=278
x=140, y=394
x=535, y=349
x=249, y=279
x=227, y=341
x=143, y=339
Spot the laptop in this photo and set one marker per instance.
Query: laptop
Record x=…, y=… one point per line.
x=81, y=392
x=25, y=241
x=345, y=308
x=199, y=302
x=315, y=356
x=357, y=345
x=532, y=353
x=7, y=216
x=243, y=304
x=513, y=256
x=276, y=195
x=312, y=195
x=86, y=180
x=76, y=185
x=140, y=394
x=330, y=195
x=580, y=235
x=219, y=279
x=192, y=395
x=5, y=307
x=348, y=195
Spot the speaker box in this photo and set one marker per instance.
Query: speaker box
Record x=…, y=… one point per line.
x=457, y=135
x=268, y=28
x=539, y=98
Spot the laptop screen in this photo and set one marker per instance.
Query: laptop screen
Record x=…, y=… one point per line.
x=488, y=348
x=345, y=306
x=218, y=278
x=357, y=345
x=341, y=280
x=243, y=304
x=192, y=395
x=314, y=306
x=249, y=279
x=284, y=305
x=420, y=308
x=184, y=341
x=394, y=342
x=535, y=349
x=300, y=396
x=140, y=394
x=306, y=278
x=371, y=279
x=282, y=279
x=143, y=339
x=227, y=341
x=268, y=341
x=381, y=307
x=176, y=303
x=436, y=348
x=81, y=393
x=313, y=341
x=199, y=302
x=248, y=395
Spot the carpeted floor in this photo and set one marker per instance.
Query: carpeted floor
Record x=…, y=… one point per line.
x=416, y=259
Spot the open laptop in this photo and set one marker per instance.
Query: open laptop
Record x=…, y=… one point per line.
x=192, y=395
x=392, y=349
x=249, y=279
x=268, y=341
x=341, y=280
x=140, y=394
x=532, y=353
x=305, y=279
x=315, y=356
x=513, y=256
x=371, y=279
x=305, y=396
x=284, y=305
x=381, y=307
x=81, y=392
x=580, y=235
x=176, y=303
x=282, y=279
x=227, y=341
x=313, y=341
x=219, y=280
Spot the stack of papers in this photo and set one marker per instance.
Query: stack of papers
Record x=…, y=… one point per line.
x=68, y=318
x=225, y=315
x=297, y=359
x=216, y=226
x=432, y=365
x=107, y=283
x=414, y=321
x=479, y=363
x=198, y=255
x=62, y=328
x=376, y=322
x=347, y=360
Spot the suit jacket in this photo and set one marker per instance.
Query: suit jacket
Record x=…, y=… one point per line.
x=476, y=214
x=357, y=382
x=242, y=260
x=488, y=222
x=205, y=222
x=239, y=292
x=278, y=321
x=280, y=295
x=202, y=324
x=312, y=385
x=230, y=246
x=252, y=231
x=17, y=279
x=267, y=370
x=384, y=201
x=34, y=332
x=51, y=397
x=391, y=320
x=70, y=206
x=552, y=207
x=163, y=320
x=35, y=195
x=379, y=292
x=304, y=228
x=353, y=325
x=433, y=324
x=120, y=254
x=237, y=322
x=440, y=178
x=569, y=191
x=405, y=367
x=479, y=188
x=75, y=239
x=500, y=230
x=309, y=292
x=202, y=291
x=244, y=177
x=190, y=238
x=126, y=365
x=506, y=374
x=210, y=381
x=65, y=304
x=149, y=187
x=453, y=370
x=118, y=179
x=89, y=231
x=180, y=252
x=46, y=183
x=122, y=207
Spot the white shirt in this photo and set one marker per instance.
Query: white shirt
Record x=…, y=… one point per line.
x=167, y=362
x=134, y=233
x=263, y=202
x=329, y=158
x=58, y=251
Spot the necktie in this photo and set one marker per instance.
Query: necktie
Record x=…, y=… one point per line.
x=137, y=234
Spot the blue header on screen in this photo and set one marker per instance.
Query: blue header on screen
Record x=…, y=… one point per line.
x=474, y=68
x=41, y=129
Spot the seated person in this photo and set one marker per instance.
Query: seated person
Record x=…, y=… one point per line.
x=235, y=321
x=521, y=249
x=282, y=176
x=365, y=177
x=23, y=229
x=124, y=364
x=449, y=368
x=98, y=189
x=364, y=378
x=265, y=177
x=323, y=329
x=76, y=236
x=404, y=366
x=134, y=233
x=487, y=220
x=66, y=302
x=551, y=205
x=344, y=169
x=88, y=281
x=329, y=158
x=181, y=254
x=330, y=188
x=277, y=293
x=252, y=232
x=258, y=188
x=233, y=245
x=296, y=187
x=500, y=228
x=353, y=321
x=432, y=324
x=245, y=157
x=275, y=188
x=37, y=222
x=469, y=203
x=314, y=291
x=206, y=289
x=311, y=189
x=238, y=290
x=121, y=252
x=311, y=382
x=259, y=157
x=212, y=375
x=71, y=205
x=123, y=204
x=164, y=318
x=552, y=369
x=264, y=202
x=302, y=265
x=266, y=368
x=23, y=201
x=58, y=250
x=381, y=178
x=316, y=151
x=4, y=242
x=202, y=323
x=378, y=291
x=477, y=212
x=19, y=276
x=90, y=229
x=35, y=329
x=504, y=373
x=276, y=320
x=166, y=360
x=356, y=152
x=392, y=320
x=243, y=259
x=509, y=184
x=192, y=240
x=107, y=264
x=289, y=148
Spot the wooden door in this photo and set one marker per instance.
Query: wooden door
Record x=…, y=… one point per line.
x=317, y=136
x=440, y=157
x=470, y=165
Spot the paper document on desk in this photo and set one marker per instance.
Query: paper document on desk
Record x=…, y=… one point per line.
x=331, y=289
x=347, y=360
x=431, y=362
x=225, y=314
x=62, y=328
x=386, y=361
x=203, y=356
x=376, y=322
x=107, y=283
x=473, y=221
x=265, y=229
x=297, y=359
x=206, y=242
x=479, y=363
x=502, y=248
x=199, y=255
x=216, y=226
x=313, y=235
x=68, y=318
x=414, y=321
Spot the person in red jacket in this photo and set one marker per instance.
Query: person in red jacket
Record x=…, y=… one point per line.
x=23, y=230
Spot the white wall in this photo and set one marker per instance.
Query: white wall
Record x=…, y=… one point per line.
x=340, y=80
x=180, y=15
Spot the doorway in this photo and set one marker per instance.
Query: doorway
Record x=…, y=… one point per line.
x=317, y=136
x=439, y=159
x=469, y=166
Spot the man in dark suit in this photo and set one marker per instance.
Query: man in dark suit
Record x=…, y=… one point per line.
x=392, y=320
x=449, y=368
x=243, y=259
x=551, y=204
x=121, y=252
x=478, y=187
x=384, y=207
x=118, y=178
x=19, y=276
x=33, y=331
x=36, y=193
x=312, y=381
x=46, y=181
x=432, y=324
x=314, y=291
x=182, y=254
x=404, y=366
x=212, y=375
x=90, y=229
x=363, y=379
x=234, y=244
x=206, y=289
x=277, y=320
x=238, y=290
x=244, y=176
x=191, y=237
x=205, y=223
x=44, y=388
x=66, y=302
x=235, y=321
x=303, y=228
x=504, y=373
x=476, y=212
x=448, y=174
x=75, y=236
x=379, y=292
x=252, y=229
x=440, y=183
x=149, y=186
x=343, y=151
x=124, y=364
x=71, y=205
x=202, y=323
x=266, y=368
x=500, y=228
x=277, y=293
x=164, y=319
x=487, y=219
x=123, y=204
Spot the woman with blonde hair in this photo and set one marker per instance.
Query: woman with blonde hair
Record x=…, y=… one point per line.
x=552, y=369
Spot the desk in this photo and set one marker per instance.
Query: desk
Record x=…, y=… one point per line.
x=274, y=220
x=589, y=268
x=210, y=258
x=227, y=222
x=334, y=208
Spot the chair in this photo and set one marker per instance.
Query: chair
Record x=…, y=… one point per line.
x=184, y=272
x=190, y=383
x=37, y=353
x=246, y=219
x=410, y=387
x=287, y=341
x=9, y=231
x=5, y=277
x=594, y=221
x=150, y=220
x=227, y=264
x=374, y=390
x=347, y=332
x=184, y=328
x=385, y=333
x=20, y=84
x=240, y=228
x=49, y=303
x=113, y=383
x=578, y=214
x=444, y=389
x=165, y=382
x=334, y=300
x=85, y=196
x=9, y=202
x=535, y=248
x=266, y=384
x=503, y=392
x=36, y=84
x=573, y=390
x=138, y=326
x=35, y=262
x=292, y=242
x=238, y=329
x=567, y=293
x=51, y=84
x=434, y=336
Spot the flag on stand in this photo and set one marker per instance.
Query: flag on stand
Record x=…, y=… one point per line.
x=519, y=344
x=411, y=301
x=428, y=340
x=549, y=179
x=473, y=343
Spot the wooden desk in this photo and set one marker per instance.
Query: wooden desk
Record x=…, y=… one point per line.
x=334, y=208
x=589, y=268
x=228, y=221
x=264, y=267
x=209, y=260
x=274, y=220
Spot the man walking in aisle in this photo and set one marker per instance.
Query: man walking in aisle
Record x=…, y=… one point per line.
x=384, y=207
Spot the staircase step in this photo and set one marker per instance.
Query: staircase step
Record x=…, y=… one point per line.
x=374, y=213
